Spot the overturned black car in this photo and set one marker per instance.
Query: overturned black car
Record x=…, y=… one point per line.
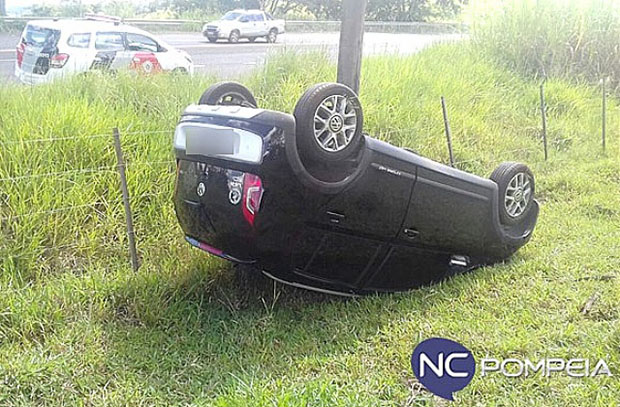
x=311, y=201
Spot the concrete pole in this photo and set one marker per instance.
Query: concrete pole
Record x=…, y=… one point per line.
x=351, y=40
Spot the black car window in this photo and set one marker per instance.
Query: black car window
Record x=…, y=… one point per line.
x=259, y=17
x=109, y=41
x=79, y=40
x=40, y=37
x=138, y=42
x=269, y=16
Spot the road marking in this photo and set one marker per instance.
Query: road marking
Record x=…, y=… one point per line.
x=7, y=50
x=7, y=60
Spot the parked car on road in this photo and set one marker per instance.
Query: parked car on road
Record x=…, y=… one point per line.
x=311, y=201
x=250, y=24
x=51, y=49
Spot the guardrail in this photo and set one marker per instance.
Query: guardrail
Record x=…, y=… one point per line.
x=291, y=25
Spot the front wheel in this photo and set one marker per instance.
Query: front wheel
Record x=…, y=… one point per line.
x=516, y=189
x=272, y=36
x=233, y=38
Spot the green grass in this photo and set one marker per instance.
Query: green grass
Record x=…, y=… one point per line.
x=552, y=38
x=78, y=327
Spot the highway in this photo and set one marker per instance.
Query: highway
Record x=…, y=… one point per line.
x=230, y=60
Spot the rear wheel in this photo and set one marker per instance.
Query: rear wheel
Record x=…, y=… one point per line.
x=234, y=37
x=516, y=188
x=272, y=36
x=179, y=71
x=329, y=122
x=228, y=93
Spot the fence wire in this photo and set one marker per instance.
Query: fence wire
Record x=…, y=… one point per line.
x=82, y=137
x=115, y=203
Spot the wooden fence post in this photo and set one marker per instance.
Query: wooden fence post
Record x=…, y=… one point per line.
x=543, y=113
x=604, y=114
x=131, y=236
x=446, y=125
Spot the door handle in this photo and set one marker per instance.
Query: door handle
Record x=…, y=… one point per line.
x=411, y=233
x=335, y=217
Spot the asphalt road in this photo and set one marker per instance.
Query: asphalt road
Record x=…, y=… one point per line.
x=230, y=60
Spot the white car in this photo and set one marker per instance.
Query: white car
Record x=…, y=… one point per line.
x=52, y=49
x=250, y=24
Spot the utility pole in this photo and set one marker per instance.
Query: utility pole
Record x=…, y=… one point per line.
x=351, y=40
x=2, y=7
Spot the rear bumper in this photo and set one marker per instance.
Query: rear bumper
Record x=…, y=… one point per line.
x=35, y=79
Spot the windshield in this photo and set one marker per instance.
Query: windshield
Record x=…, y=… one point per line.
x=40, y=37
x=231, y=15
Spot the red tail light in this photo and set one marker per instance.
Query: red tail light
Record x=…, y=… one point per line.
x=20, y=54
x=252, y=195
x=58, y=60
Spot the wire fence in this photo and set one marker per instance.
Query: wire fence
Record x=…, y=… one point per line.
x=107, y=206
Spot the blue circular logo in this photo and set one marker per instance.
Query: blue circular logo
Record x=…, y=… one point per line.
x=443, y=366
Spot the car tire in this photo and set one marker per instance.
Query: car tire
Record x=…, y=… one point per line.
x=212, y=39
x=272, y=36
x=180, y=71
x=233, y=38
x=516, y=188
x=228, y=93
x=336, y=109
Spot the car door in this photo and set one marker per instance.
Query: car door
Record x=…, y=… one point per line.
x=147, y=54
x=110, y=51
x=246, y=25
x=350, y=233
x=81, y=50
x=260, y=25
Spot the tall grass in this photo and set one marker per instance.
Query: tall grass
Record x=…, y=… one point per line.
x=552, y=38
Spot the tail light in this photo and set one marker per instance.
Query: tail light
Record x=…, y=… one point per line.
x=58, y=60
x=20, y=54
x=252, y=195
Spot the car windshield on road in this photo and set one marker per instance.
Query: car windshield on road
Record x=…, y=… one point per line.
x=40, y=37
x=231, y=15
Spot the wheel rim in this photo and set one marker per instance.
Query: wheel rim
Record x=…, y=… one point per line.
x=518, y=194
x=272, y=36
x=234, y=37
x=335, y=122
x=233, y=99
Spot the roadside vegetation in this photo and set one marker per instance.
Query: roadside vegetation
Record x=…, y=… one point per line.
x=552, y=38
x=77, y=326
x=377, y=10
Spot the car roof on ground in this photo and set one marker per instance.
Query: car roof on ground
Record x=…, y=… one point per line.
x=75, y=25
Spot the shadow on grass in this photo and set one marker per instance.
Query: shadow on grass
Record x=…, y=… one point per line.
x=219, y=330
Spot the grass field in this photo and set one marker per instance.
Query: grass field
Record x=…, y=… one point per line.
x=78, y=327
